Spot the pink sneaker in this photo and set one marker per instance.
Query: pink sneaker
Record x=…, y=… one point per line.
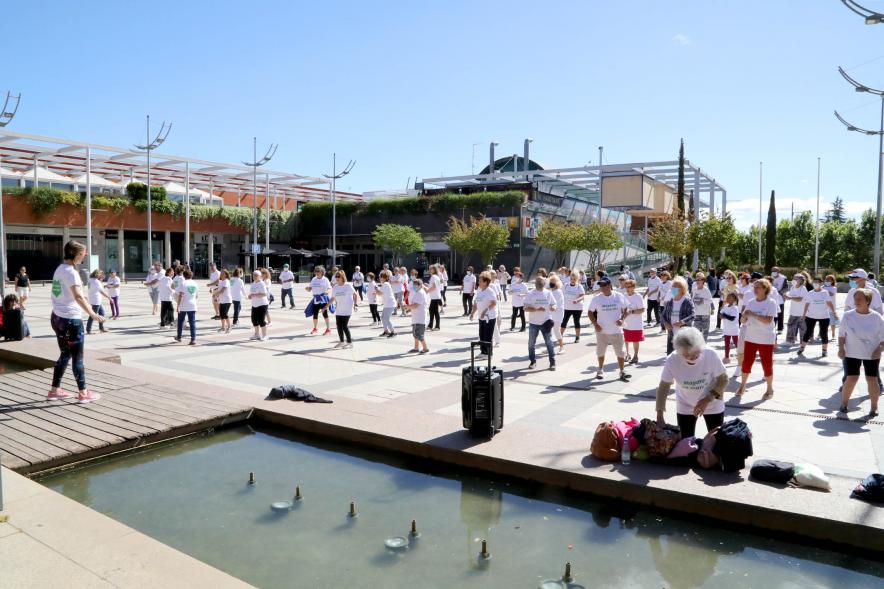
x=58, y=395
x=88, y=397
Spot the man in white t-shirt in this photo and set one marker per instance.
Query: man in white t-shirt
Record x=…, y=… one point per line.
x=607, y=311
x=781, y=285
x=214, y=277
x=418, y=304
x=358, y=280
x=702, y=299
x=503, y=279
x=287, y=282
x=795, y=295
x=653, y=295
x=540, y=307
x=468, y=289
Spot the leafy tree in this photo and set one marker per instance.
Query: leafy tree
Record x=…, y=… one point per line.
x=399, y=239
x=836, y=213
x=745, y=249
x=710, y=234
x=838, y=245
x=481, y=235
x=597, y=239
x=671, y=234
x=866, y=239
x=795, y=240
x=770, y=236
x=561, y=237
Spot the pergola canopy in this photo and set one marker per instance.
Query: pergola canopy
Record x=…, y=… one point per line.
x=20, y=152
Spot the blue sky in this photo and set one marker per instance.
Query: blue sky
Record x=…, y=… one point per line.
x=406, y=88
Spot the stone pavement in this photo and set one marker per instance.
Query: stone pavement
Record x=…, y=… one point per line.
x=800, y=424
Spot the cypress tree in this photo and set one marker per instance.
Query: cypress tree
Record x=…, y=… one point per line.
x=770, y=236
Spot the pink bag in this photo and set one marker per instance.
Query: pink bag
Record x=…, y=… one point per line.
x=624, y=429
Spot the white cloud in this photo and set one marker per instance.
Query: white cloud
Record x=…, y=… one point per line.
x=682, y=39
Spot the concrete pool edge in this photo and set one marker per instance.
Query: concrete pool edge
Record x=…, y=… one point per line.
x=49, y=537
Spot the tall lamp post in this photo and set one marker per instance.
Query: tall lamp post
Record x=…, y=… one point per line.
x=6, y=117
x=816, y=245
x=871, y=17
x=148, y=147
x=880, y=134
x=334, y=178
x=255, y=164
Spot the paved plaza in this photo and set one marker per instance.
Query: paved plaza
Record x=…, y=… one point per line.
x=800, y=424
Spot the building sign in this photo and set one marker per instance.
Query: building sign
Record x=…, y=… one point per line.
x=217, y=238
x=256, y=248
x=529, y=227
x=548, y=199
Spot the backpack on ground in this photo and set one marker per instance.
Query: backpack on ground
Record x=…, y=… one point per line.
x=871, y=489
x=605, y=445
x=772, y=471
x=733, y=444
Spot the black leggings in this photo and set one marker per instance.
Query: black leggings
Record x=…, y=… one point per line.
x=317, y=309
x=341, y=321
x=237, y=305
x=575, y=313
x=824, y=329
x=687, y=423
x=434, y=313
x=444, y=298
x=167, y=313
x=517, y=312
x=467, y=299
x=486, y=334
x=654, y=307
x=375, y=316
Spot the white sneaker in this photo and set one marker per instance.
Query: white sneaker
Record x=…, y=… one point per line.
x=348, y=346
x=600, y=374
x=265, y=338
x=255, y=337
x=339, y=345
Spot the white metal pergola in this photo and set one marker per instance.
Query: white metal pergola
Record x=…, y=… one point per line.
x=585, y=180
x=23, y=155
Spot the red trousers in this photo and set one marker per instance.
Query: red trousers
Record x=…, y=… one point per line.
x=766, y=353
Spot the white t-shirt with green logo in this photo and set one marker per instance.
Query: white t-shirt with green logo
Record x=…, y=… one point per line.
x=63, y=302
x=189, y=291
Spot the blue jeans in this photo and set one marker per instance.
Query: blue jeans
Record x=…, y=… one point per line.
x=71, y=340
x=486, y=334
x=100, y=310
x=191, y=319
x=546, y=331
x=287, y=292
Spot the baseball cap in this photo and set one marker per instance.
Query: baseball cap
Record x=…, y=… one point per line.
x=604, y=280
x=858, y=273
x=285, y=265
x=756, y=276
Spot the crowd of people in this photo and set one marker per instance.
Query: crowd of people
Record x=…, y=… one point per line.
x=751, y=313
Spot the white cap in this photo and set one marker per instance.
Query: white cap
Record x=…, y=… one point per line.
x=859, y=273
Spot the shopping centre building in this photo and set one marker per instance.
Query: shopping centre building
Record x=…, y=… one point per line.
x=119, y=238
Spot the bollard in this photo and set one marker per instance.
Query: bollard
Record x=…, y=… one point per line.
x=567, y=578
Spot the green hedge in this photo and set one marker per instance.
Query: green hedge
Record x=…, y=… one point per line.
x=313, y=212
x=138, y=191
x=43, y=199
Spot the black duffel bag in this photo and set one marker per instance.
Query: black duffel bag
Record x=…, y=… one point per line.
x=772, y=471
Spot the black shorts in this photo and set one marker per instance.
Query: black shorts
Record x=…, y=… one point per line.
x=851, y=366
x=223, y=309
x=259, y=316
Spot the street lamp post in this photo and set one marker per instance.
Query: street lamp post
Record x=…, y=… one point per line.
x=6, y=117
x=334, y=178
x=255, y=164
x=880, y=134
x=870, y=16
x=816, y=245
x=148, y=147
x=760, y=206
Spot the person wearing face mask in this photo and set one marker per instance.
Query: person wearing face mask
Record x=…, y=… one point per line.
x=678, y=311
x=665, y=293
x=830, y=287
x=728, y=286
x=467, y=289
x=700, y=379
x=817, y=306
x=796, y=296
x=780, y=285
x=519, y=290
x=858, y=279
x=702, y=298
x=652, y=294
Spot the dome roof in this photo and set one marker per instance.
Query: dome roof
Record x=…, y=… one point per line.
x=509, y=163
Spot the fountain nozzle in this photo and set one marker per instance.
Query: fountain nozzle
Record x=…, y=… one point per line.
x=353, y=512
x=567, y=578
x=251, y=478
x=298, y=496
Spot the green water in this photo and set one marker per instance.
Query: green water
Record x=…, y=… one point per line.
x=194, y=496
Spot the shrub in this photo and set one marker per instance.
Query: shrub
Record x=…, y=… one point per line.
x=42, y=200
x=136, y=191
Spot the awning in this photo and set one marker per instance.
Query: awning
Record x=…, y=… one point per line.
x=433, y=247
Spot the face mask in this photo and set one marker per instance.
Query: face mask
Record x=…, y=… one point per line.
x=774, y=274
x=675, y=292
x=817, y=286
x=517, y=280
x=829, y=283
x=852, y=284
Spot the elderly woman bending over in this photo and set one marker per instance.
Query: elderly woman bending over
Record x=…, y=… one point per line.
x=699, y=377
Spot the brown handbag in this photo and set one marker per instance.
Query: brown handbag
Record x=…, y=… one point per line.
x=605, y=444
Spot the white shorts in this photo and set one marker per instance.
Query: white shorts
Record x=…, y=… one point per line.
x=21, y=292
x=603, y=340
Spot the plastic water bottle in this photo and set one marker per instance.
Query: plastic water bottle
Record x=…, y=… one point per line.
x=625, y=453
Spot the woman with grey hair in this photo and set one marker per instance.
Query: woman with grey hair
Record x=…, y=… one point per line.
x=860, y=344
x=700, y=379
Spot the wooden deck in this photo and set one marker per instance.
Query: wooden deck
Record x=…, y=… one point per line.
x=36, y=434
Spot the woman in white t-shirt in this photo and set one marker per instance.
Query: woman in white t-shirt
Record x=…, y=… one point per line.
x=573, y=294
x=267, y=278
x=795, y=295
x=389, y=303
x=167, y=310
x=519, y=290
x=730, y=323
x=417, y=306
x=371, y=293
x=224, y=296
x=443, y=276
x=112, y=283
x=700, y=379
x=319, y=287
x=259, y=296
x=486, y=308
x=68, y=301
x=633, y=329
x=558, y=316
x=665, y=293
x=468, y=288
x=860, y=344
x=344, y=299
x=237, y=290
x=186, y=295
x=817, y=308
x=434, y=289
x=96, y=292
x=702, y=298
x=759, y=322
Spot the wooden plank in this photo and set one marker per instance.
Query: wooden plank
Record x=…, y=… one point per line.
x=22, y=452
x=58, y=425
x=201, y=400
x=36, y=439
